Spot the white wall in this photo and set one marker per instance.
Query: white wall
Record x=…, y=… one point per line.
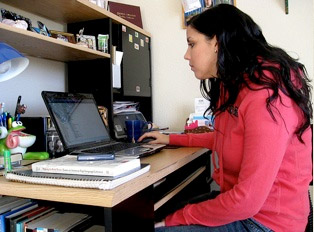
x=174, y=85
x=39, y=75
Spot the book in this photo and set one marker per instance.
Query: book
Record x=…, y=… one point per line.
x=14, y=220
x=128, y=12
x=6, y=199
x=16, y=213
x=28, y=225
x=78, y=181
x=13, y=204
x=56, y=222
x=69, y=164
x=95, y=228
x=22, y=226
x=12, y=211
x=82, y=224
x=37, y=219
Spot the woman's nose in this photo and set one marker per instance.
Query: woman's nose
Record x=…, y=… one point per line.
x=186, y=55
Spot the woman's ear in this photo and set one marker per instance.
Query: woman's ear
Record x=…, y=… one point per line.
x=216, y=43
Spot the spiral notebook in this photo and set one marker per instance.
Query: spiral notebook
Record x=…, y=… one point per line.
x=78, y=181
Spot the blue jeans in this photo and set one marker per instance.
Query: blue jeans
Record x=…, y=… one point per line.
x=238, y=226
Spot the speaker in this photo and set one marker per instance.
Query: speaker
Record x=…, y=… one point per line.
x=119, y=122
x=37, y=126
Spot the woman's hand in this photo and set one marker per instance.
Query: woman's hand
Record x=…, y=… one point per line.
x=159, y=138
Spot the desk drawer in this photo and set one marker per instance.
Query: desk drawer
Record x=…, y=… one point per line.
x=185, y=183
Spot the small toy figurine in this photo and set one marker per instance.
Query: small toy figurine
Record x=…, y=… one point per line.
x=16, y=140
x=80, y=39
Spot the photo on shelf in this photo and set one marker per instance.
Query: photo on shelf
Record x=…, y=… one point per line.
x=67, y=37
x=88, y=41
x=191, y=8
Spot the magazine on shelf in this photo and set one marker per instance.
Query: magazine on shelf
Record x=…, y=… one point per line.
x=125, y=106
x=79, y=181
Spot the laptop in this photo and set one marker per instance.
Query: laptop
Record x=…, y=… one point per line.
x=82, y=130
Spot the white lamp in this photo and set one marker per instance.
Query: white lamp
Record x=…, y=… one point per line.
x=12, y=63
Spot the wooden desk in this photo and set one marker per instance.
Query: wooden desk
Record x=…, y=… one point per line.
x=132, y=200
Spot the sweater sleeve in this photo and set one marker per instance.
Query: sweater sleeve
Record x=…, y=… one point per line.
x=264, y=145
x=205, y=140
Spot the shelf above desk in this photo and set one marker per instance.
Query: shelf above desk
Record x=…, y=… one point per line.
x=69, y=11
x=33, y=44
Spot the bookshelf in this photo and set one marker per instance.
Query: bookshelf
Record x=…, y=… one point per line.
x=95, y=64
x=70, y=11
x=61, y=11
x=41, y=46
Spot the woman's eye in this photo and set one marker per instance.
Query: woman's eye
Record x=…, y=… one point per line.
x=191, y=45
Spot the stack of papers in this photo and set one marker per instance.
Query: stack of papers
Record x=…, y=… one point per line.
x=124, y=106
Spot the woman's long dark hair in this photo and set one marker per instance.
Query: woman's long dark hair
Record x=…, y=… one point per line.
x=244, y=54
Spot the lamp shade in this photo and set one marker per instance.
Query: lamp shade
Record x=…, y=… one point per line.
x=12, y=63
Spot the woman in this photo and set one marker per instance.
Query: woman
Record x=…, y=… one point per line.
x=261, y=144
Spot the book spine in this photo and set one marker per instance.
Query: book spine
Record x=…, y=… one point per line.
x=75, y=170
x=113, y=169
x=2, y=228
x=40, y=229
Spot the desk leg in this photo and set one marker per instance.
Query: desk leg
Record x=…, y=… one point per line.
x=134, y=214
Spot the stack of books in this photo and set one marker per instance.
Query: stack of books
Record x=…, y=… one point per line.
x=67, y=171
x=19, y=215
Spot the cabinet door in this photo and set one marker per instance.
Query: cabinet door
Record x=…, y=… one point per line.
x=136, y=63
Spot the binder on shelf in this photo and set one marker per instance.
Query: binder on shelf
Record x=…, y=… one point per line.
x=78, y=181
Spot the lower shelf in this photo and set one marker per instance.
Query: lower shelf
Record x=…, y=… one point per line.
x=179, y=188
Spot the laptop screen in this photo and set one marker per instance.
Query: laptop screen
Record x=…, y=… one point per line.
x=76, y=118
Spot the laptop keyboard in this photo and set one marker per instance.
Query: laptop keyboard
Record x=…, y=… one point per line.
x=111, y=148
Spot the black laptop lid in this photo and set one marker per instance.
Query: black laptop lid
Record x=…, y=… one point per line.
x=76, y=118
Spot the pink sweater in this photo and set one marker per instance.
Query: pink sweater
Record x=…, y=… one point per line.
x=262, y=168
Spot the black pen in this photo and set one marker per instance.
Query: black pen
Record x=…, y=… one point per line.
x=17, y=107
x=160, y=129
x=94, y=156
